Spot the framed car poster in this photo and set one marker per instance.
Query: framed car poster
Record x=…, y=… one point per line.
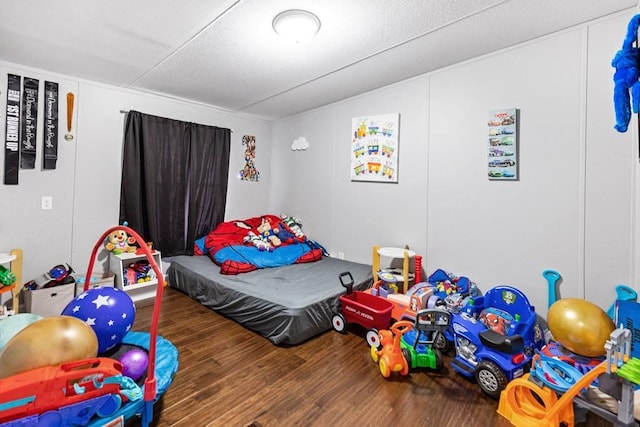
x=502, y=144
x=374, y=148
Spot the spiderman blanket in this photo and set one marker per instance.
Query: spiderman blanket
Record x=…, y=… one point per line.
x=245, y=245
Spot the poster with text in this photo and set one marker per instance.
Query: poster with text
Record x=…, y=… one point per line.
x=374, y=148
x=502, y=144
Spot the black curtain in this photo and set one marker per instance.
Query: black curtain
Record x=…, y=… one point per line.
x=174, y=180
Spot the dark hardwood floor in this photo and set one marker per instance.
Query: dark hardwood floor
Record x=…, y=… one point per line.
x=230, y=376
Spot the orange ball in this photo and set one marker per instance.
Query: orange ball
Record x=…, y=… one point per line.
x=48, y=342
x=580, y=326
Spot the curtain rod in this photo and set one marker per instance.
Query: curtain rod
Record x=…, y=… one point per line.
x=126, y=111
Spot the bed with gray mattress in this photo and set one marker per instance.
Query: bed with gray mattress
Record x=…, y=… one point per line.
x=287, y=305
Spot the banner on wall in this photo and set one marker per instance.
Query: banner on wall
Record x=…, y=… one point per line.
x=12, y=134
x=249, y=171
x=30, y=89
x=50, y=140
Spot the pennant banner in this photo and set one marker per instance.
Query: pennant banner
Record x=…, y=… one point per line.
x=50, y=146
x=30, y=89
x=12, y=136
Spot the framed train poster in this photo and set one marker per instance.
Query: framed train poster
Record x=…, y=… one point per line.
x=502, y=145
x=374, y=148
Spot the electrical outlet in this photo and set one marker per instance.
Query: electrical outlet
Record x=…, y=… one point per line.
x=47, y=203
x=340, y=255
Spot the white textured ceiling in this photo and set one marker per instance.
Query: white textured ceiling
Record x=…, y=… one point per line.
x=225, y=53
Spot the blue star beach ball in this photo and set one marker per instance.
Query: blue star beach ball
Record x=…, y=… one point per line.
x=109, y=311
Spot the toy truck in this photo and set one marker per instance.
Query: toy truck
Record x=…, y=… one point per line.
x=496, y=336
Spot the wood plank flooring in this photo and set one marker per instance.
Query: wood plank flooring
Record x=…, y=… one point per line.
x=229, y=376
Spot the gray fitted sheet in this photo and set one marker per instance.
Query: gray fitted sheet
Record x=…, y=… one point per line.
x=286, y=305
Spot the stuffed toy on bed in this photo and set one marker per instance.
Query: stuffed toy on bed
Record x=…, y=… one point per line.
x=627, y=85
x=268, y=232
x=258, y=242
x=295, y=225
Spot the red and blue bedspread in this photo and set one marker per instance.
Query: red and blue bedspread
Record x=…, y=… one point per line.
x=266, y=241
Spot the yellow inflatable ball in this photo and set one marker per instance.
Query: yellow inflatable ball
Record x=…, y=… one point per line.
x=48, y=342
x=580, y=326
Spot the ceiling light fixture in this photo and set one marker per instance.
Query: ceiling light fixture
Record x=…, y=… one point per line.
x=296, y=25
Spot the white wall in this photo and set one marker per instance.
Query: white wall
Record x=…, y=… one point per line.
x=314, y=185
x=510, y=231
x=86, y=184
x=611, y=172
x=573, y=208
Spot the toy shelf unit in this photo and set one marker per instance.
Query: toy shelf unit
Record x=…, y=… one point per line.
x=12, y=262
x=403, y=276
x=137, y=282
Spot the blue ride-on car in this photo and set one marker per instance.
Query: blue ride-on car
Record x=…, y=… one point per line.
x=496, y=336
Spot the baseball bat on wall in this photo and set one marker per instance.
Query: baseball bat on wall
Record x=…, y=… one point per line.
x=70, y=99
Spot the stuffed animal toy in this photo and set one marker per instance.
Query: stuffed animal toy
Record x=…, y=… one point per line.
x=626, y=77
x=118, y=242
x=294, y=225
x=284, y=234
x=268, y=232
x=258, y=242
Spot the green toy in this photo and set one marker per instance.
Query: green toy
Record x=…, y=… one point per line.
x=630, y=371
x=7, y=278
x=418, y=342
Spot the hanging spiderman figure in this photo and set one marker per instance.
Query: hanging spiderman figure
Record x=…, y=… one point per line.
x=626, y=92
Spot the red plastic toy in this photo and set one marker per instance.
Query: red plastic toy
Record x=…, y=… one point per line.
x=369, y=311
x=83, y=388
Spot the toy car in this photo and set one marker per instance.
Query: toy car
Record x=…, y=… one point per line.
x=507, y=140
x=496, y=335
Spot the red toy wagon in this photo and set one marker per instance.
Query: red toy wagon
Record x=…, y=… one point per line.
x=369, y=311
